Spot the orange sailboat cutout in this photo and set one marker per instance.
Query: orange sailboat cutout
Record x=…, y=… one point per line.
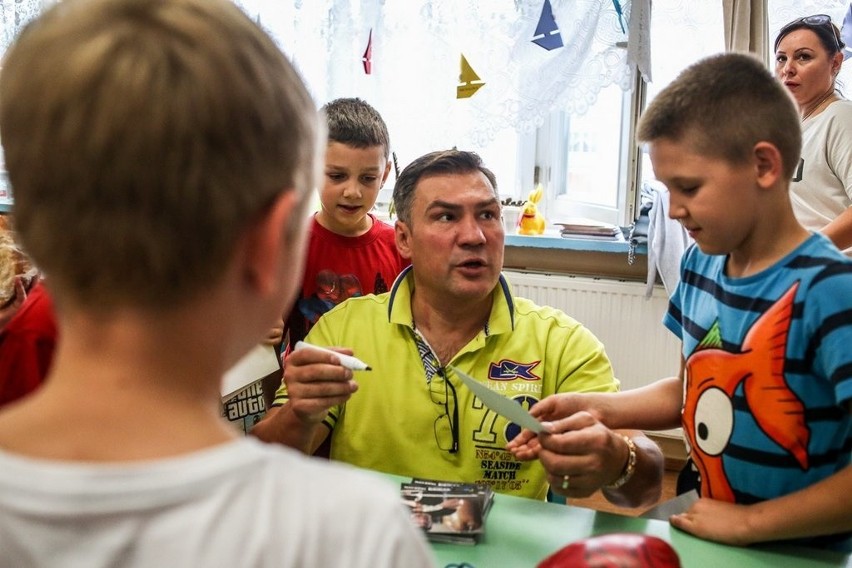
x=469, y=81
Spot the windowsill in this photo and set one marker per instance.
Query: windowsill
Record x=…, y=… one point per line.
x=568, y=243
x=558, y=255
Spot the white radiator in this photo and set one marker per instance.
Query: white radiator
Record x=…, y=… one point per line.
x=630, y=326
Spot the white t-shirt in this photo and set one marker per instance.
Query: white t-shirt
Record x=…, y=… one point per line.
x=242, y=504
x=825, y=188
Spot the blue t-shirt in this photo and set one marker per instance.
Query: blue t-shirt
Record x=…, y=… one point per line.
x=768, y=372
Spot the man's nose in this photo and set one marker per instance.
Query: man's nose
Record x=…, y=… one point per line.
x=471, y=232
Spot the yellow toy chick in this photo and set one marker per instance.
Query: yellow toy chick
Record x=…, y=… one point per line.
x=532, y=221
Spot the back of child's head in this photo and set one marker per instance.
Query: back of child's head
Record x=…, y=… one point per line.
x=352, y=121
x=722, y=106
x=142, y=137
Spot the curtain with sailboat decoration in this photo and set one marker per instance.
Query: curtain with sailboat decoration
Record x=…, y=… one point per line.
x=455, y=72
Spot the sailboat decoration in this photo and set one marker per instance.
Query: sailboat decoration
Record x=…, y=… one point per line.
x=367, y=59
x=469, y=81
x=547, y=32
x=620, y=14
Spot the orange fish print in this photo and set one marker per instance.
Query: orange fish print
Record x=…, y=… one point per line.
x=712, y=376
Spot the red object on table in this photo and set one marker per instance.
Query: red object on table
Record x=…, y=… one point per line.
x=619, y=550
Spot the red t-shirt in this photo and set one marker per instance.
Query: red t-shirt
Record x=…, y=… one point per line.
x=26, y=346
x=339, y=267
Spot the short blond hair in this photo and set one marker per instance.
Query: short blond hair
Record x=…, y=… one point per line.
x=724, y=105
x=141, y=139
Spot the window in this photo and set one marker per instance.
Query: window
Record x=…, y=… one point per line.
x=416, y=48
x=681, y=34
x=583, y=160
x=584, y=156
x=589, y=157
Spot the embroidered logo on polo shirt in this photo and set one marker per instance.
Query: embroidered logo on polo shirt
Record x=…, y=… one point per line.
x=507, y=370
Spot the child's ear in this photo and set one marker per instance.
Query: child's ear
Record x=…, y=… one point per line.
x=387, y=172
x=267, y=242
x=768, y=164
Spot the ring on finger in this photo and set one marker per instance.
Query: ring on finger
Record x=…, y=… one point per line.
x=566, y=481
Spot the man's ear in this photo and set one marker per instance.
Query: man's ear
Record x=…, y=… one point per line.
x=267, y=240
x=768, y=164
x=402, y=233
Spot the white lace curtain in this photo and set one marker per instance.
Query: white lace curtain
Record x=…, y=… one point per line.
x=15, y=15
x=417, y=46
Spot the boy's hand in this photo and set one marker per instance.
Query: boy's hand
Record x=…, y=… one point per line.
x=715, y=520
x=316, y=382
x=525, y=446
x=561, y=405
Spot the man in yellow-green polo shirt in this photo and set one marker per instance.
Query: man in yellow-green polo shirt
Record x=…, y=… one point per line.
x=410, y=415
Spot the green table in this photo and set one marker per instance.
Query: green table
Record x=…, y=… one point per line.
x=521, y=532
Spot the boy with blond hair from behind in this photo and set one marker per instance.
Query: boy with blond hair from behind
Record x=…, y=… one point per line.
x=764, y=312
x=161, y=153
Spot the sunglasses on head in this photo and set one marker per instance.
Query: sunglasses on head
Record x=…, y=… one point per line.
x=816, y=21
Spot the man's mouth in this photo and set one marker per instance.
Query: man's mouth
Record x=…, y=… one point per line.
x=476, y=263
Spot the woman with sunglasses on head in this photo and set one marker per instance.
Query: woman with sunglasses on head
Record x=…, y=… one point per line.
x=808, y=56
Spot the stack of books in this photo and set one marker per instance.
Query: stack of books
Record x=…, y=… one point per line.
x=448, y=511
x=581, y=228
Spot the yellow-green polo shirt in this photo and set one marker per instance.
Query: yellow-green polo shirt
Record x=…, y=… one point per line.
x=526, y=352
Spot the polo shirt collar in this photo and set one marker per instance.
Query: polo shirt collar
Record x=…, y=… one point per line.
x=501, y=320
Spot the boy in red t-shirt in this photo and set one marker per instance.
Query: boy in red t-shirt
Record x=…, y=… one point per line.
x=351, y=252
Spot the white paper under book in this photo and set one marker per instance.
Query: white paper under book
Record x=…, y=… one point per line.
x=256, y=364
